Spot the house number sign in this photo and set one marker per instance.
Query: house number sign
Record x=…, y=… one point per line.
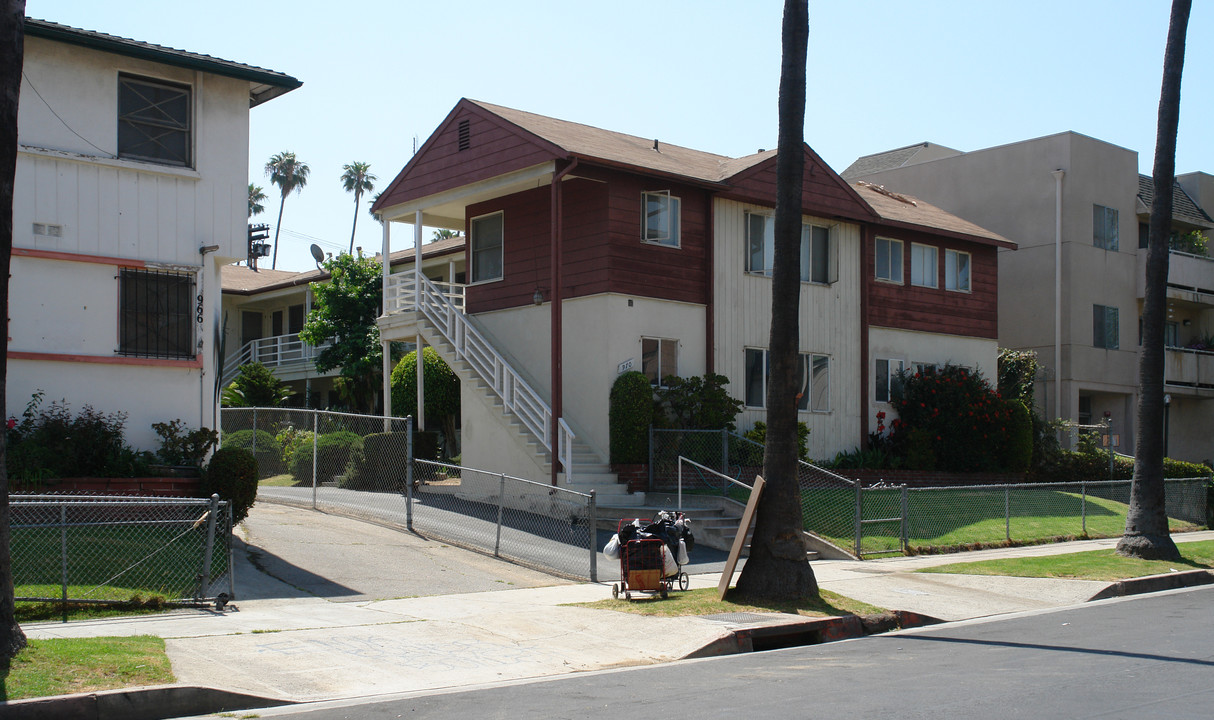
x=200, y=311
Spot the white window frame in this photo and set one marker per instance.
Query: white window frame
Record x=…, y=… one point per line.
x=670, y=235
x=474, y=251
x=662, y=372
x=1106, y=227
x=893, y=368
x=920, y=266
x=806, y=257
x=807, y=402
x=893, y=270
x=953, y=276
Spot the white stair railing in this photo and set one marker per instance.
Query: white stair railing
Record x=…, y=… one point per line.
x=272, y=352
x=443, y=305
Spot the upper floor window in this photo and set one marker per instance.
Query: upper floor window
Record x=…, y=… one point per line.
x=154, y=121
x=1105, y=321
x=485, y=243
x=1104, y=227
x=659, y=359
x=660, y=223
x=888, y=380
x=817, y=255
x=813, y=378
x=956, y=270
x=889, y=260
x=155, y=317
x=923, y=265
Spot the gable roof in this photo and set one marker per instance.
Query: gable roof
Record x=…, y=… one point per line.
x=900, y=209
x=1183, y=207
x=263, y=84
x=890, y=159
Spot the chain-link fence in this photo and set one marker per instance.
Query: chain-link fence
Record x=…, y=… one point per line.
x=105, y=549
x=827, y=499
x=896, y=518
x=359, y=465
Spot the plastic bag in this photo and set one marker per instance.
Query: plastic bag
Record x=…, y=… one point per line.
x=670, y=567
x=683, y=559
x=612, y=549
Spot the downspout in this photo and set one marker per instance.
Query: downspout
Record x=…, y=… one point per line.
x=710, y=287
x=555, y=337
x=1058, y=175
x=386, y=252
x=866, y=277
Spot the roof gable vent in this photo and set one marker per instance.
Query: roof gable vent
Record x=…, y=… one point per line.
x=465, y=135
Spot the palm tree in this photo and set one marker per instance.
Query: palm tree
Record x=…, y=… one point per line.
x=444, y=234
x=257, y=196
x=357, y=178
x=1146, y=523
x=12, y=39
x=289, y=174
x=777, y=567
x=371, y=205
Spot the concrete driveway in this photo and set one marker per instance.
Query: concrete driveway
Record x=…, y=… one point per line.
x=286, y=552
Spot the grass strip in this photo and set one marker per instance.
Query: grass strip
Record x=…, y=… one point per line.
x=703, y=601
x=1104, y=565
x=63, y=666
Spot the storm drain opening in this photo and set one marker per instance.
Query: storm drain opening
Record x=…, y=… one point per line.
x=773, y=639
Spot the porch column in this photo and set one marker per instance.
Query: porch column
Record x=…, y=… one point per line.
x=417, y=268
x=385, y=253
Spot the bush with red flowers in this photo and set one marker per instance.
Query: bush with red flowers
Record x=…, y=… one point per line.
x=953, y=419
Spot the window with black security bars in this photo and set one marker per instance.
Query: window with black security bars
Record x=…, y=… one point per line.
x=154, y=121
x=155, y=318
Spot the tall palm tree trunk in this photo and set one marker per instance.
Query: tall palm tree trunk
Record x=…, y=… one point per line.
x=354, y=228
x=1146, y=525
x=12, y=54
x=277, y=227
x=777, y=566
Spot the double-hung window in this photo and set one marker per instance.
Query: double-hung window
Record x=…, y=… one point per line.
x=155, y=317
x=659, y=359
x=813, y=378
x=1105, y=331
x=956, y=270
x=889, y=260
x=660, y=221
x=154, y=121
x=889, y=379
x=1104, y=227
x=816, y=256
x=486, y=247
x=923, y=265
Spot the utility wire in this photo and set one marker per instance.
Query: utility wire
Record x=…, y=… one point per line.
x=69, y=127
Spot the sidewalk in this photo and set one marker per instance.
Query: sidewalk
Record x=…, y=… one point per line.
x=294, y=647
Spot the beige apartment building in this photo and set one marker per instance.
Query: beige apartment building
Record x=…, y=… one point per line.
x=1077, y=209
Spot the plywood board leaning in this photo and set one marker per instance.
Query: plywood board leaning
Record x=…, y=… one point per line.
x=739, y=540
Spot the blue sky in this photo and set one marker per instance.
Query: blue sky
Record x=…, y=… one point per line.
x=702, y=74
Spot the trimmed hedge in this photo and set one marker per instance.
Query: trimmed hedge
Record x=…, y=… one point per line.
x=333, y=453
x=232, y=475
x=1017, y=455
x=379, y=464
x=269, y=450
x=629, y=416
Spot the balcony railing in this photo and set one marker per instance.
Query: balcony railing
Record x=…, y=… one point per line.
x=280, y=351
x=1189, y=368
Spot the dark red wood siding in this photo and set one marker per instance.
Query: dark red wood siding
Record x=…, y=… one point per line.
x=494, y=148
x=823, y=192
x=909, y=307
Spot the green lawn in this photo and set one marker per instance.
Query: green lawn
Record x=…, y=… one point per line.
x=1104, y=565
x=703, y=601
x=70, y=665
x=113, y=562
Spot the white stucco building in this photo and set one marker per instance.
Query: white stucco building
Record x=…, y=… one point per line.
x=131, y=192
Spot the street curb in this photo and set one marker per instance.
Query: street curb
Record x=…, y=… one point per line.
x=1155, y=583
x=149, y=703
x=809, y=632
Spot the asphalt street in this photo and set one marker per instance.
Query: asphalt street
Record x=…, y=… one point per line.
x=1147, y=656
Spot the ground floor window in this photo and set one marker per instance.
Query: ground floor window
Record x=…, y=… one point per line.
x=888, y=380
x=813, y=376
x=659, y=359
x=155, y=317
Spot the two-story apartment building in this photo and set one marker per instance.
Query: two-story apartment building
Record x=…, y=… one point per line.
x=131, y=192
x=592, y=252
x=1077, y=207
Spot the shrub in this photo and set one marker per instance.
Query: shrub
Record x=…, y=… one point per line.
x=179, y=446
x=956, y=414
x=291, y=439
x=232, y=475
x=55, y=443
x=1017, y=455
x=630, y=414
x=256, y=386
x=268, y=453
x=759, y=434
x=379, y=464
x=333, y=453
x=442, y=393
x=696, y=403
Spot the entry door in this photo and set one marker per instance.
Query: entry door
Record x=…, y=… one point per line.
x=250, y=327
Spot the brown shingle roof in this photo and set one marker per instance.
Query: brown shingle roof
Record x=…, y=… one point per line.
x=1183, y=207
x=904, y=209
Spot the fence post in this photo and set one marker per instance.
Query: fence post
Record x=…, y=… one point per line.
x=231, y=564
x=1083, y=505
x=501, y=500
x=905, y=518
x=651, y=458
x=204, y=580
x=315, y=432
x=593, y=539
x=254, y=432
x=63, y=554
x=409, y=472
x=1007, y=512
x=859, y=516
x=724, y=451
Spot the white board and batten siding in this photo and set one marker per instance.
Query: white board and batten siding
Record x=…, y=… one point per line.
x=829, y=322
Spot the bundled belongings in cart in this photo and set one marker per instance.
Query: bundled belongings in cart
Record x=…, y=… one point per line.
x=651, y=554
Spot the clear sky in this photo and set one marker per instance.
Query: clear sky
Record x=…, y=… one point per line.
x=703, y=74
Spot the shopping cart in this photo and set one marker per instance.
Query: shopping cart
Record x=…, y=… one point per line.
x=642, y=569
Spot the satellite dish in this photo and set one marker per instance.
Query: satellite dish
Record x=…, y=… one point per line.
x=317, y=254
